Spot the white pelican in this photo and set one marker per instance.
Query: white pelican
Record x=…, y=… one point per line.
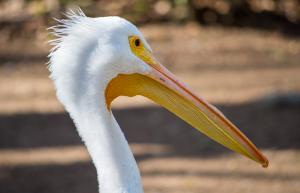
x=95, y=60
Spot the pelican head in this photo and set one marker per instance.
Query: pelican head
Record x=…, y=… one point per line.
x=95, y=60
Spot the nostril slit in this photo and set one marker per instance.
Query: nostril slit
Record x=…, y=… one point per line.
x=162, y=79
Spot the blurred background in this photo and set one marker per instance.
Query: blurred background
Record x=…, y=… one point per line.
x=241, y=55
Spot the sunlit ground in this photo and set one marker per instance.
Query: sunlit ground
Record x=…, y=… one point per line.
x=252, y=76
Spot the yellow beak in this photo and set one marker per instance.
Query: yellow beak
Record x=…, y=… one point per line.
x=161, y=86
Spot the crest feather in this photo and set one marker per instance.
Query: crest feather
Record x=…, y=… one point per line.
x=64, y=27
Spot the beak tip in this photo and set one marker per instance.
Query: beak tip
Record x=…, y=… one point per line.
x=265, y=163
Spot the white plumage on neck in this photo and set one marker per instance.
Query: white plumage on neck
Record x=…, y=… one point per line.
x=116, y=168
x=83, y=61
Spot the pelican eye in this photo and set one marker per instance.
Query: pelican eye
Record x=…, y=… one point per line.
x=137, y=42
x=138, y=49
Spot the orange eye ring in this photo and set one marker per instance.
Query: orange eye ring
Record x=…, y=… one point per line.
x=135, y=42
x=138, y=49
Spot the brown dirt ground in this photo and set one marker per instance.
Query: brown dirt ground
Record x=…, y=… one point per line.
x=252, y=76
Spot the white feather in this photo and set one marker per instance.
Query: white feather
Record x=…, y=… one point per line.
x=87, y=53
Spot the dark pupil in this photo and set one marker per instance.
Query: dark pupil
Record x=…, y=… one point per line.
x=137, y=42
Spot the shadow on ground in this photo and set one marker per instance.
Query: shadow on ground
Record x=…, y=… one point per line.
x=269, y=123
